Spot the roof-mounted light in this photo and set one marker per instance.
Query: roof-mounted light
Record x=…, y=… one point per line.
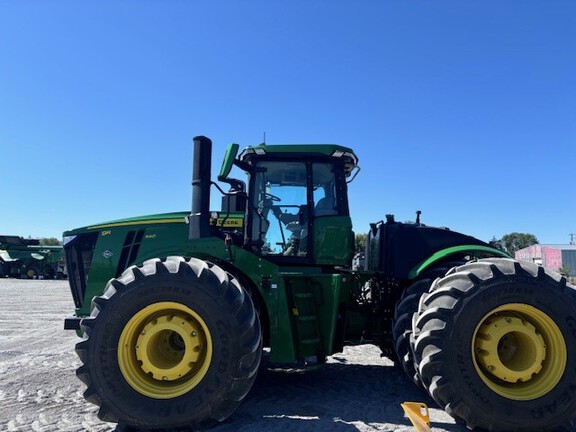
x=252, y=150
x=340, y=153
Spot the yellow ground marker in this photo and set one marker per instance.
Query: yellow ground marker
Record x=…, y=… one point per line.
x=417, y=413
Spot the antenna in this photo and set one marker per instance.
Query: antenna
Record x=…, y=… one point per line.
x=264, y=142
x=571, y=238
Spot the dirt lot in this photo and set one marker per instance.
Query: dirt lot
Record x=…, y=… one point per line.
x=356, y=391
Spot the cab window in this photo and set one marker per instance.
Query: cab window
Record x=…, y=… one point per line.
x=324, y=187
x=280, y=219
x=287, y=197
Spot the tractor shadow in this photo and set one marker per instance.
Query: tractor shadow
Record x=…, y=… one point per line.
x=336, y=397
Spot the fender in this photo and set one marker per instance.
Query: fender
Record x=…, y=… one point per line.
x=444, y=253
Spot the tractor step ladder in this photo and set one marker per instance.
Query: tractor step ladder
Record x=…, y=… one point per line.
x=305, y=317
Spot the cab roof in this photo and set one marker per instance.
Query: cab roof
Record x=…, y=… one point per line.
x=300, y=150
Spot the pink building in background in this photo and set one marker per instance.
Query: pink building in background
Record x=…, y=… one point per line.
x=550, y=256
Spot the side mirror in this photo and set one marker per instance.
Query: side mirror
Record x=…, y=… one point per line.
x=228, y=161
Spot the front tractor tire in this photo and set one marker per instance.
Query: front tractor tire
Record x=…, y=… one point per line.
x=495, y=342
x=170, y=344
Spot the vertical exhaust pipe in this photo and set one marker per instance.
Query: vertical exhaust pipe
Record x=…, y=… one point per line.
x=201, y=180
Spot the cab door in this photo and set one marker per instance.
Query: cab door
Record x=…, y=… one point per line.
x=333, y=235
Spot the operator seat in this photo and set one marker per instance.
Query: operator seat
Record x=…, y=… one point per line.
x=325, y=207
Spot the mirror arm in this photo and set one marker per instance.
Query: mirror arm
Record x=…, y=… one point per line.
x=243, y=165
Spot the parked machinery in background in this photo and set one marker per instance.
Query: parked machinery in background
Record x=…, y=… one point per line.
x=28, y=259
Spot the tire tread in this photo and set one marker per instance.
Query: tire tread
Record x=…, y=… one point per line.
x=222, y=286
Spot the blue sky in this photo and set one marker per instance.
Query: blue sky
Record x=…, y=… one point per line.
x=465, y=110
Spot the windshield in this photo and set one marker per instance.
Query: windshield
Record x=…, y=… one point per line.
x=280, y=201
x=283, y=192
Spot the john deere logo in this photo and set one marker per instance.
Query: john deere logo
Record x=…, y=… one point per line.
x=107, y=254
x=228, y=222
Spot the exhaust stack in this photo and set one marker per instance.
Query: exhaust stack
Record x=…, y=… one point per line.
x=201, y=181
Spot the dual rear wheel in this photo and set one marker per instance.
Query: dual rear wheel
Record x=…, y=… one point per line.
x=492, y=343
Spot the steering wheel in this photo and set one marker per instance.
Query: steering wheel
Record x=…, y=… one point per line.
x=293, y=227
x=297, y=231
x=271, y=197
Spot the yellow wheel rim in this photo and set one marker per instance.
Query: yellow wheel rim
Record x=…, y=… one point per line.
x=164, y=350
x=519, y=352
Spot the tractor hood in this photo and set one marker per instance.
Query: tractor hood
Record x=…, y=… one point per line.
x=218, y=218
x=162, y=218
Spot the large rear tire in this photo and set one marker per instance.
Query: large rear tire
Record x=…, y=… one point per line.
x=406, y=307
x=170, y=344
x=496, y=346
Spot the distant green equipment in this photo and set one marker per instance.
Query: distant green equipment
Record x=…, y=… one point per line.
x=175, y=308
x=28, y=259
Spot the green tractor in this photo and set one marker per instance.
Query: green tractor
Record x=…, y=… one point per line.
x=177, y=309
x=28, y=259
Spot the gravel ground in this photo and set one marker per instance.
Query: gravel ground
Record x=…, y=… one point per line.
x=356, y=391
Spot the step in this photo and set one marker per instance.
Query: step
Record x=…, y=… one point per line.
x=308, y=318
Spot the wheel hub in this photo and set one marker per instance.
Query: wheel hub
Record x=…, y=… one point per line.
x=519, y=352
x=510, y=349
x=164, y=350
x=168, y=347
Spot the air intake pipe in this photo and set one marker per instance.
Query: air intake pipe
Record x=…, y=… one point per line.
x=201, y=180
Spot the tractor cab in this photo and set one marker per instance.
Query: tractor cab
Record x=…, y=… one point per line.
x=296, y=204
